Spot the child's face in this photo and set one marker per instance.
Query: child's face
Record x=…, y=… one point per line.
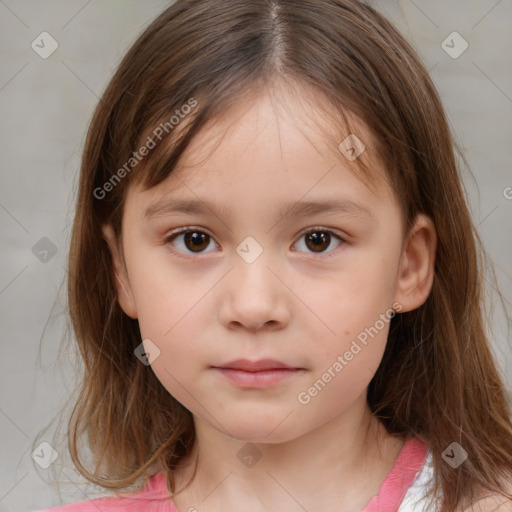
x=306, y=302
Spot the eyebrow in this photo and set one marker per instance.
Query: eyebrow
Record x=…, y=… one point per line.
x=346, y=207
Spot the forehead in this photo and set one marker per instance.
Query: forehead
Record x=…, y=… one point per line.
x=277, y=146
x=290, y=119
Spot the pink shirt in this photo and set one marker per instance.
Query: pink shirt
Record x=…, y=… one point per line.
x=155, y=498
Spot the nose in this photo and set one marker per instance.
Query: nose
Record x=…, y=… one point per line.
x=254, y=297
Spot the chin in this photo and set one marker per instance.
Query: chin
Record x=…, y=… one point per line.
x=270, y=432
x=260, y=437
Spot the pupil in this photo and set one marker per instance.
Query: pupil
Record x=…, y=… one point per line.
x=197, y=240
x=319, y=240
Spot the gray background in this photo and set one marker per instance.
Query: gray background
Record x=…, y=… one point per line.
x=46, y=105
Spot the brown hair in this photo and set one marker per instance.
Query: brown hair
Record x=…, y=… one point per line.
x=437, y=378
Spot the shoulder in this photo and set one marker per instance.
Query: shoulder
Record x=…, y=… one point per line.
x=82, y=506
x=493, y=502
x=110, y=504
x=101, y=504
x=154, y=495
x=93, y=505
x=416, y=497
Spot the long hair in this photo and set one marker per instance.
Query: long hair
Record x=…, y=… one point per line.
x=437, y=379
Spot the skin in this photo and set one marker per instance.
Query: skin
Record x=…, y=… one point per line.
x=292, y=304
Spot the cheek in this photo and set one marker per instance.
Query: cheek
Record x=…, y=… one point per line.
x=167, y=295
x=343, y=369
x=348, y=300
x=350, y=324
x=174, y=319
x=178, y=339
x=171, y=313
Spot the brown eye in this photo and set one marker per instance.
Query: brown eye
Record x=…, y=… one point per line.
x=196, y=240
x=317, y=240
x=193, y=241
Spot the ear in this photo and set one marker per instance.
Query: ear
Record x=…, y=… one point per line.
x=416, y=272
x=124, y=292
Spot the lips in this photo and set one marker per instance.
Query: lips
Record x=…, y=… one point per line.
x=256, y=366
x=265, y=373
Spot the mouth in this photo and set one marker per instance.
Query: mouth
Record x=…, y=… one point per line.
x=257, y=374
x=256, y=366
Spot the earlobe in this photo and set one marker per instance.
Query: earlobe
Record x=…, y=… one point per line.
x=124, y=292
x=416, y=272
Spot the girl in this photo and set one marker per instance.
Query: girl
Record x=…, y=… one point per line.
x=274, y=279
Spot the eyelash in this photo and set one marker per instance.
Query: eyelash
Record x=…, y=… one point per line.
x=190, y=229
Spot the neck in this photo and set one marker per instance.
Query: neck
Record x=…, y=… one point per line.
x=347, y=457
